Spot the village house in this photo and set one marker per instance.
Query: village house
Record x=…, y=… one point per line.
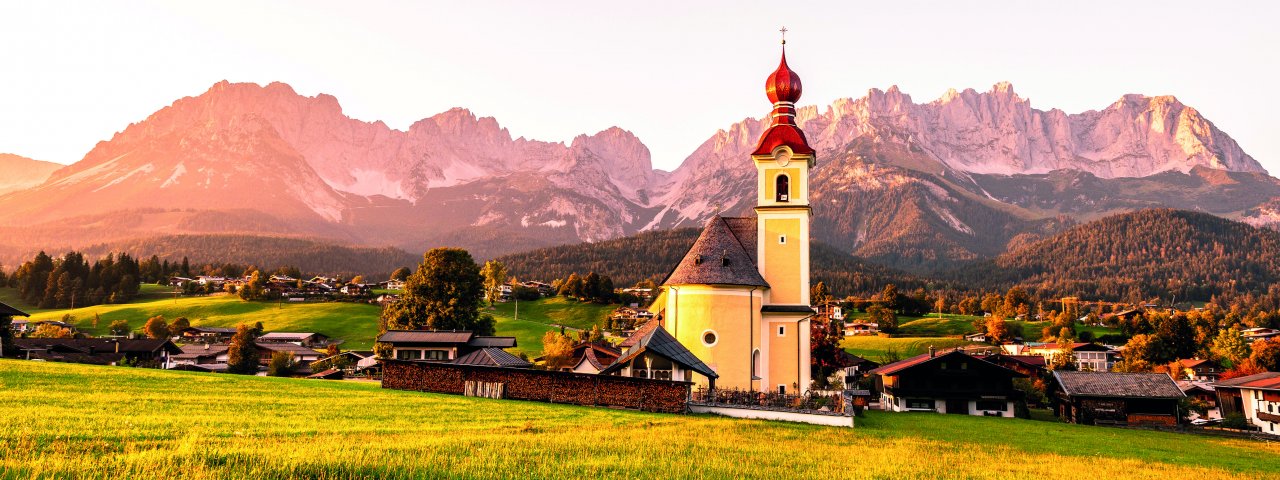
x=628, y=317
x=658, y=355
x=953, y=382
x=98, y=351
x=828, y=312
x=492, y=357
x=861, y=328
x=1090, y=357
x=856, y=369
x=644, y=294
x=1114, y=398
x=206, y=355
x=439, y=345
x=1032, y=366
x=592, y=357
x=1206, y=394
x=208, y=334
x=1255, y=397
x=304, y=339
x=395, y=284
x=302, y=355
x=1198, y=369
x=1259, y=333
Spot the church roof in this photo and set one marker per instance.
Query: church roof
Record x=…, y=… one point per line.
x=719, y=257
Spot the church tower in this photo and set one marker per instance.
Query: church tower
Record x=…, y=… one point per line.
x=783, y=159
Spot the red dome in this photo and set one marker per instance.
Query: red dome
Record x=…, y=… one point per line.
x=783, y=85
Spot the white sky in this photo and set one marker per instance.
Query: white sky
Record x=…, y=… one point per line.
x=73, y=73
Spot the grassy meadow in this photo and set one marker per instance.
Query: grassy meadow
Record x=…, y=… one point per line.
x=65, y=420
x=874, y=347
x=355, y=323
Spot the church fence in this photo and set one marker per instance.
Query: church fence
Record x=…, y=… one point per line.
x=537, y=385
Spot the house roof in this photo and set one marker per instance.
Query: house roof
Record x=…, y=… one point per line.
x=924, y=358
x=287, y=336
x=661, y=343
x=493, y=342
x=426, y=336
x=717, y=258
x=287, y=347
x=589, y=356
x=639, y=334
x=7, y=311
x=1187, y=386
x=493, y=357
x=201, y=350
x=1195, y=362
x=1117, y=384
x=101, y=345
x=1263, y=381
x=331, y=373
x=212, y=329
x=1031, y=360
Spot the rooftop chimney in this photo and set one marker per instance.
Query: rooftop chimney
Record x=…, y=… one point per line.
x=932, y=351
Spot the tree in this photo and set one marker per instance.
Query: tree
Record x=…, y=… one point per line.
x=1230, y=346
x=591, y=287
x=889, y=297
x=1266, y=354
x=358, y=280
x=557, y=350
x=401, y=274
x=242, y=353
x=825, y=354
x=1065, y=358
x=281, y=365
x=819, y=294
x=998, y=330
x=572, y=286
x=252, y=290
x=179, y=325
x=120, y=327
x=156, y=327
x=884, y=318
x=1142, y=353
x=49, y=330
x=495, y=275
x=444, y=294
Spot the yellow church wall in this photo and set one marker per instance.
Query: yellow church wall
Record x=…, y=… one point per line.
x=771, y=184
x=732, y=313
x=782, y=262
x=784, y=353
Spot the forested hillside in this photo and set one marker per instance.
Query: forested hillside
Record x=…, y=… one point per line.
x=1137, y=256
x=652, y=255
x=268, y=253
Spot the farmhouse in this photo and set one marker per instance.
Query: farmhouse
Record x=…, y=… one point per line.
x=1089, y=356
x=209, y=334
x=439, y=345
x=98, y=351
x=1113, y=398
x=7, y=312
x=953, y=382
x=592, y=357
x=861, y=328
x=1200, y=370
x=302, y=355
x=1203, y=392
x=1256, y=397
x=307, y=339
x=739, y=299
x=1259, y=333
x=201, y=354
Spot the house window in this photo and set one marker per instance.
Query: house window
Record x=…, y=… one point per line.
x=782, y=330
x=408, y=354
x=919, y=404
x=435, y=354
x=783, y=188
x=709, y=338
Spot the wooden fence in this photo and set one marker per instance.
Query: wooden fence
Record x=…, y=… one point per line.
x=537, y=385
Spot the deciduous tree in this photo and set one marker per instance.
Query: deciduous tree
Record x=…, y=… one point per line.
x=557, y=350
x=156, y=327
x=242, y=353
x=444, y=294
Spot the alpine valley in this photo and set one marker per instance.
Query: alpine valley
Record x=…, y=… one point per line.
x=916, y=186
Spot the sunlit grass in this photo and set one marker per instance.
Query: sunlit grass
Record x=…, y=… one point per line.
x=65, y=420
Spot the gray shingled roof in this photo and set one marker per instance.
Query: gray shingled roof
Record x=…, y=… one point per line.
x=493, y=357
x=493, y=342
x=745, y=230
x=717, y=258
x=286, y=336
x=425, y=336
x=1117, y=384
x=7, y=311
x=661, y=343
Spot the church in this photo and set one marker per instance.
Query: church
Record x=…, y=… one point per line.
x=739, y=299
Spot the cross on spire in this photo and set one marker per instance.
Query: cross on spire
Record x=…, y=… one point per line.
x=784, y=34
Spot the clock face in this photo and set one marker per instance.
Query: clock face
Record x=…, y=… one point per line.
x=783, y=157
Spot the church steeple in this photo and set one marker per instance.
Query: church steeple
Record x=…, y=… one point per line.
x=783, y=89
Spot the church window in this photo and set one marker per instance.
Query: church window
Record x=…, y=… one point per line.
x=782, y=389
x=782, y=239
x=755, y=364
x=709, y=338
x=783, y=188
x=697, y=259
x=782, y=330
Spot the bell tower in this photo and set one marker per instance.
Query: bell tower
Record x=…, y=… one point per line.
x=783, y=159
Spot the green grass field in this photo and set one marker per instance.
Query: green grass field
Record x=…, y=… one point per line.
x=874, y=348
x=64, y=420
x=556, y=311
x=960, y=325
x=355, y=323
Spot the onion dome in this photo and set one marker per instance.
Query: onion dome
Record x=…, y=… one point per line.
x=784, y=84
x=783, y=88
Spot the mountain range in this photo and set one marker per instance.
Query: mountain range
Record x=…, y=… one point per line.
x=917, y=186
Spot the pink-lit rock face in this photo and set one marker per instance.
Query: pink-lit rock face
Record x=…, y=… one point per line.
x=18, y=173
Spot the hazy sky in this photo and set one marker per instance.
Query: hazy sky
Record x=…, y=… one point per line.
x=72, y=74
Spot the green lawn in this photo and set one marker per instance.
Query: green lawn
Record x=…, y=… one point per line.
x=556, y=311
x=64, y=420
x=874, y=347
x=960, y=325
